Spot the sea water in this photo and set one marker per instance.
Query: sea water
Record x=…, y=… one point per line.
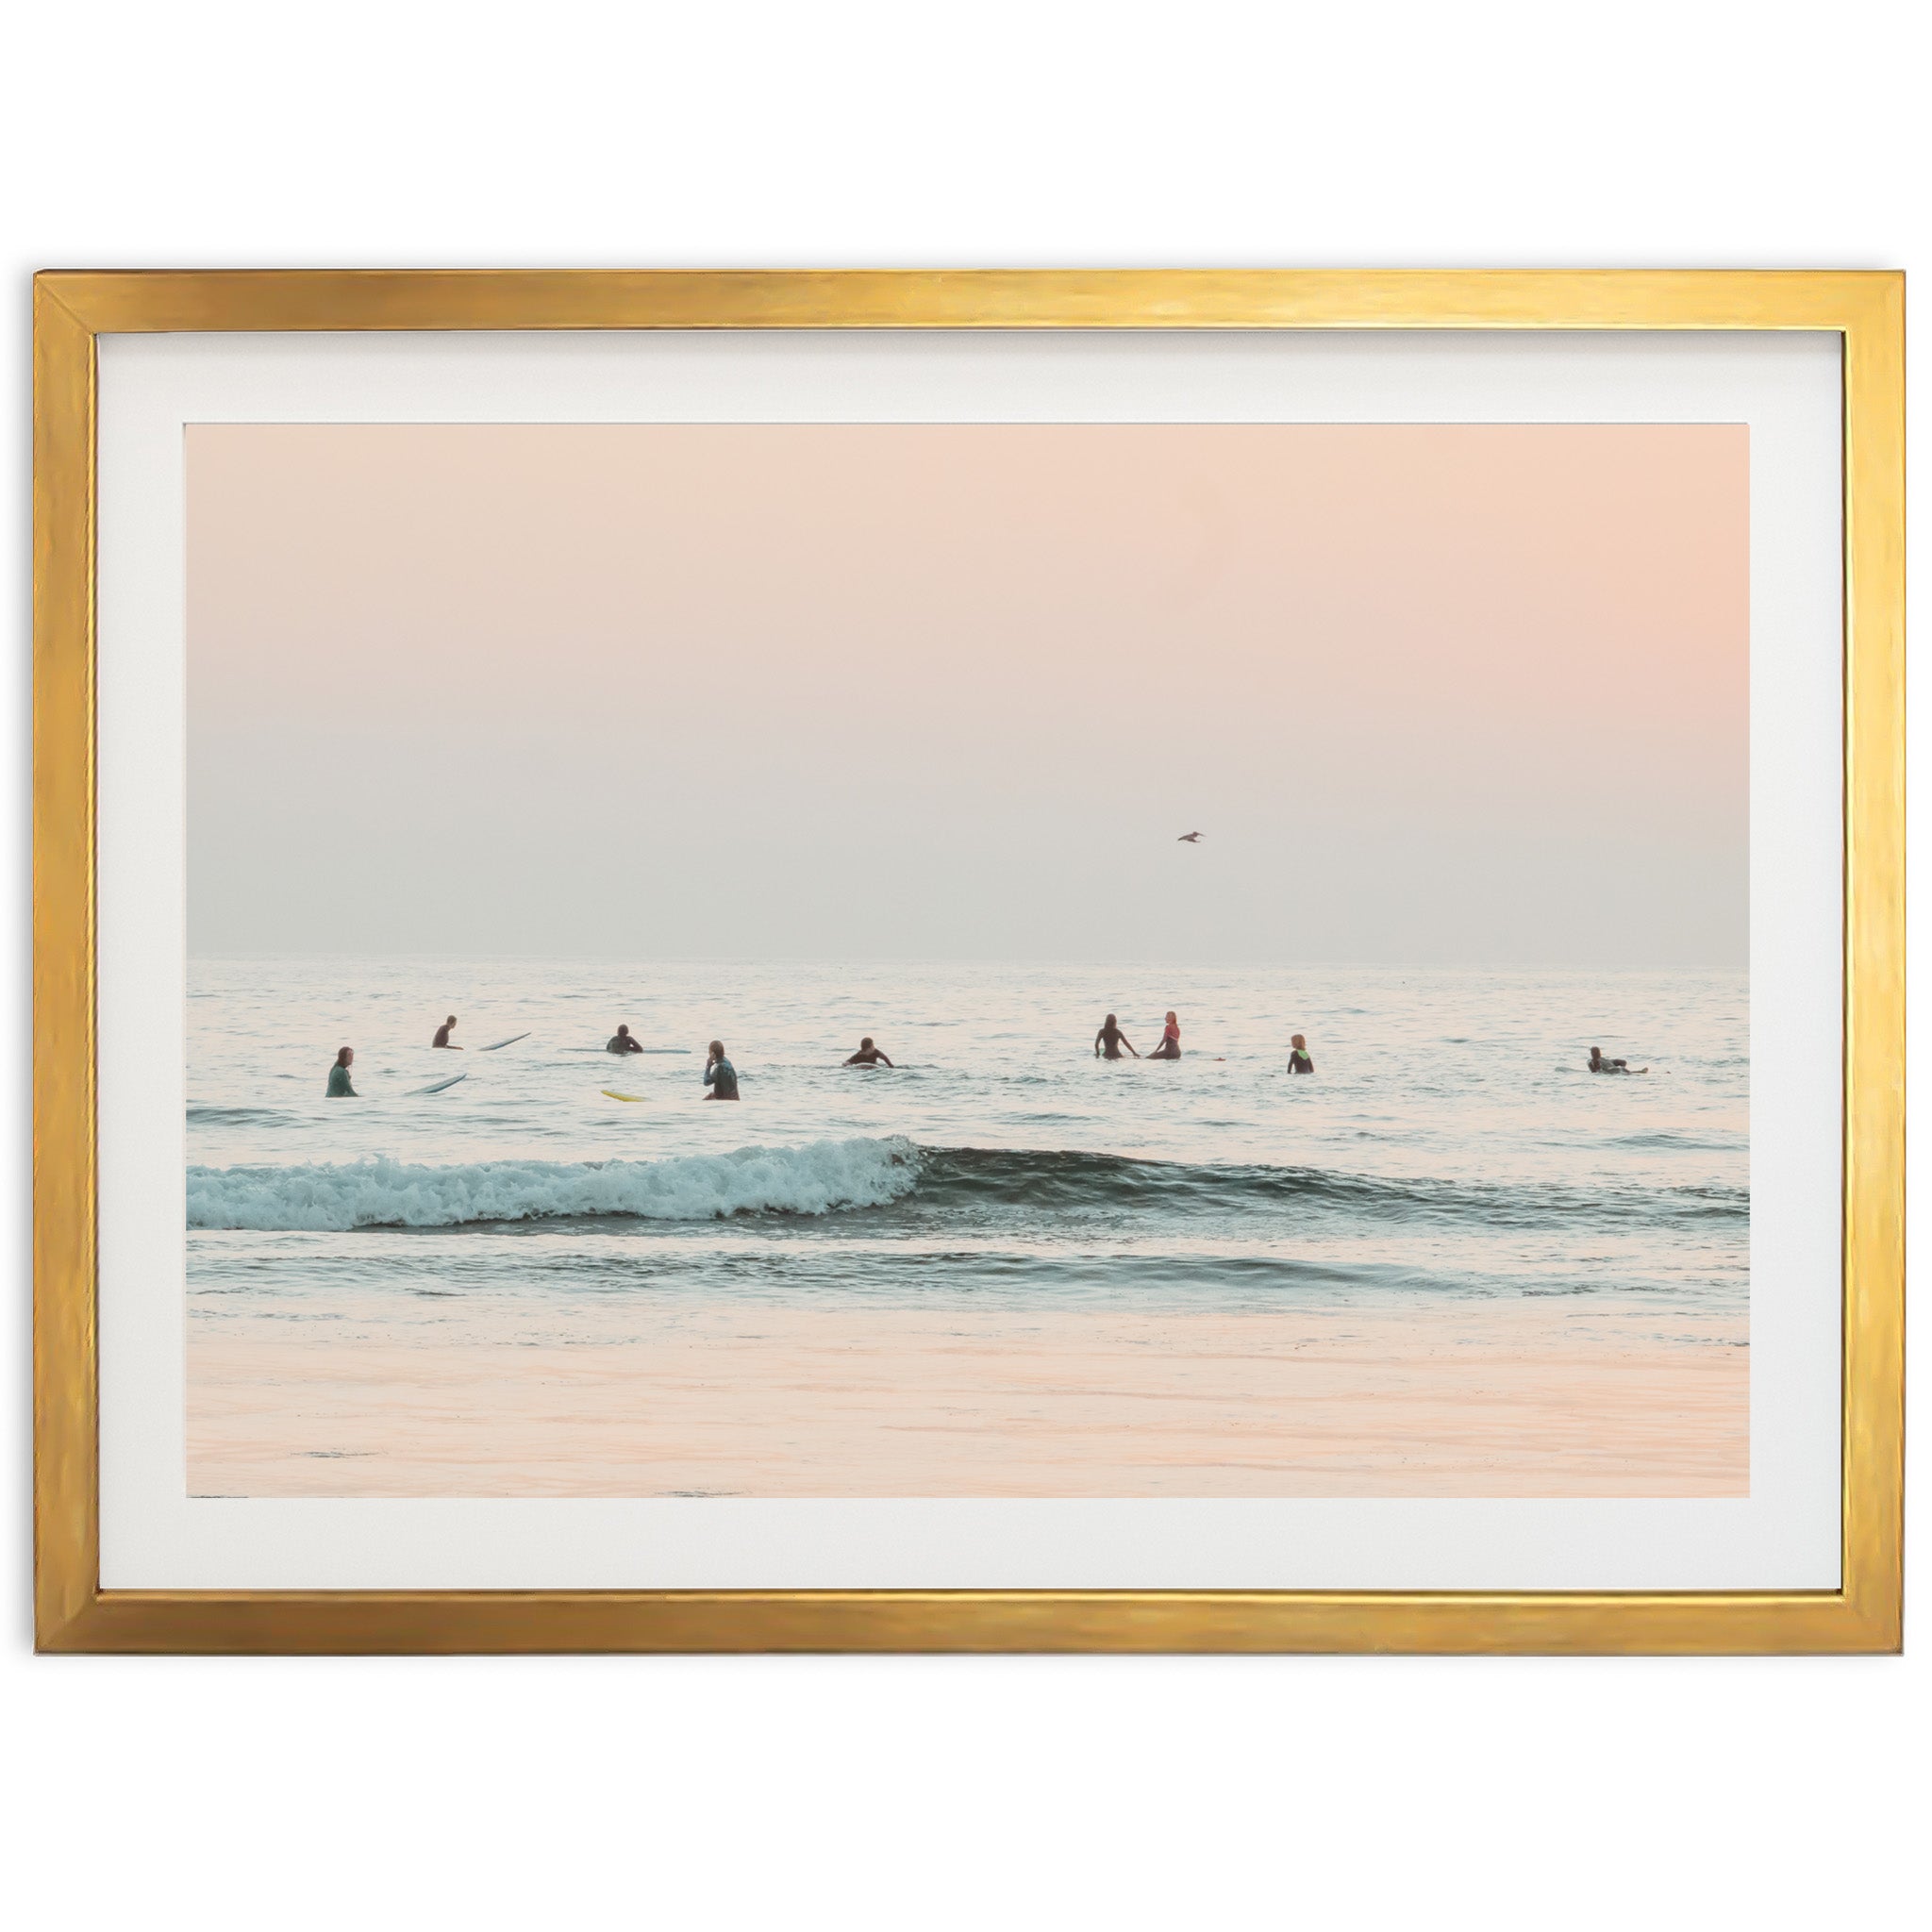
x=1450, y=1143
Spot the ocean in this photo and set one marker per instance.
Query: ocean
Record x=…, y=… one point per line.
x=1450, y=1146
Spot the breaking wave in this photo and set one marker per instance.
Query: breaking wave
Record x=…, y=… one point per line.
x=831, y=1175
x=702, y=1186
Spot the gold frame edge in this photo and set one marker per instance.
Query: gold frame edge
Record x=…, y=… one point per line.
x=73, y=1614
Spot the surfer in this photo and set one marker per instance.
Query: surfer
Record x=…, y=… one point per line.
x=621, y=1042
x=1298, y=1061
x=1170, y=1047
x=866, y=1056
x=1111, y=1038
x=721, y=1076
x=339, y=1088
x=1599, y=1065
x=442, y=1038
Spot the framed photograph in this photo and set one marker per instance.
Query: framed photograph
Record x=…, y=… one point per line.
x=983, y=961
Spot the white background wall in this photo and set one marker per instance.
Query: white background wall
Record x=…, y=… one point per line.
x=1350, y=1792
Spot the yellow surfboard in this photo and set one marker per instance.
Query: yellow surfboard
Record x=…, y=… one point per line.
x=616, y=1096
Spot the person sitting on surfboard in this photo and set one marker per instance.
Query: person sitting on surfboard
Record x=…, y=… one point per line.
x=1112, y=1039
x=721, y=1076
x=866, y=1056
x=442, y=1038
x=1599, y=1065
x=339, y=1088
x=1298, y=1061
x=621, y=1042
x=1170, y=1047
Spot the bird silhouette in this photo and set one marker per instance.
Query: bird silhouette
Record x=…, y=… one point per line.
x=1188, y=839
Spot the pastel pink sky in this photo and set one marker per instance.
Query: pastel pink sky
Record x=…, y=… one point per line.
x=1432, y=692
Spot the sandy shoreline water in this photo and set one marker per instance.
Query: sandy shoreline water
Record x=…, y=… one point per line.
x=1494, y=1400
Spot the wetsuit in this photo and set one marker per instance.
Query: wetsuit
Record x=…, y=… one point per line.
x=868, y=1056
x=339, y=1088
x=721, y=1076
x=1298, y=1061
x=441, y=1037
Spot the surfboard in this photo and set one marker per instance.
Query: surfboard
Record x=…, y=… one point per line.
x=495, y=1043
x=614, y=1095
x=439, y=1085
x=664, y=1049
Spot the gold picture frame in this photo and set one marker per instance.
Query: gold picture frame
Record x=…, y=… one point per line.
x=75, y=1613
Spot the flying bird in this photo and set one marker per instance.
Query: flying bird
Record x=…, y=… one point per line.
x=1188, y=839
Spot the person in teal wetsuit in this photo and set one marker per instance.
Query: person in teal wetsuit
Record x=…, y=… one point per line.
x=339, y=1088
x=721, y=1076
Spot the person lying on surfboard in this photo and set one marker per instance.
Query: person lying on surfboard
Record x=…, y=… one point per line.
x=621, y=1042
x=1170, y=1047
x=442, y=1038
x=866, y=1056
x=1112, y=1039
x=1599, y=1065
x=339, y=1088
x=721, y=1076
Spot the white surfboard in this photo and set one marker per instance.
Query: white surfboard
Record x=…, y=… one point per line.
x=495, y=1043
x=439, y=1085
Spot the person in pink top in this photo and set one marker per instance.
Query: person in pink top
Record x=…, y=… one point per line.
x=1170, y=1047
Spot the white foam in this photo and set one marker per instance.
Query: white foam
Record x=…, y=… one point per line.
x=387, y=1194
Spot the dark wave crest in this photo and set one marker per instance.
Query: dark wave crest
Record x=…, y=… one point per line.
x=1072, y=1183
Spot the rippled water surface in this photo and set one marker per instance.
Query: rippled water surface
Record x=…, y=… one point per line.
x=1451, y=1141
